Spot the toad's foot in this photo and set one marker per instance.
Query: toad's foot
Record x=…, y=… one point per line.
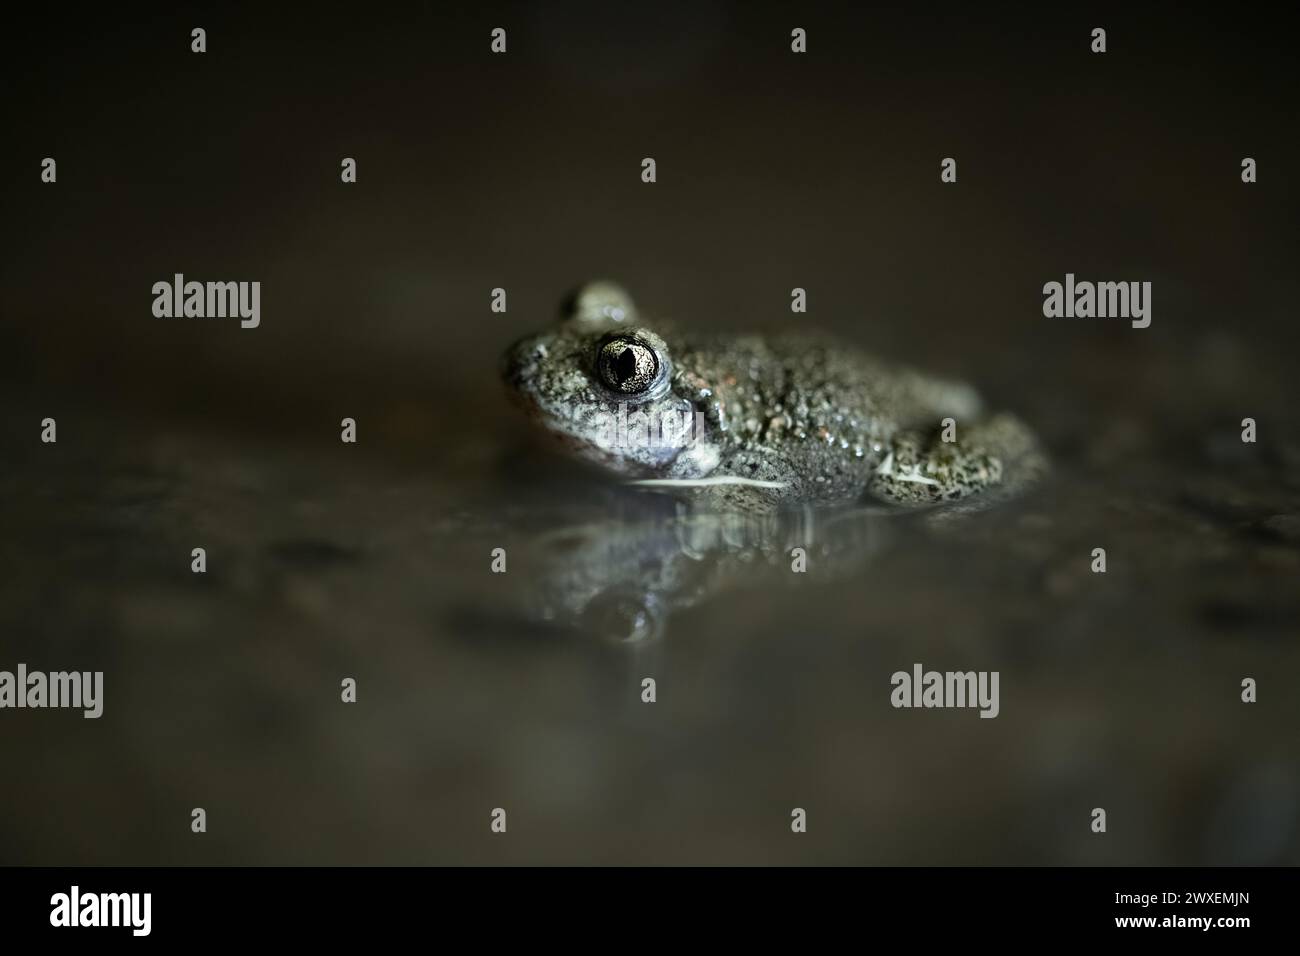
x=922, y=469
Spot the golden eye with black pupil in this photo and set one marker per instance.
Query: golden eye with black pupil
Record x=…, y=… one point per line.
x=627, y=365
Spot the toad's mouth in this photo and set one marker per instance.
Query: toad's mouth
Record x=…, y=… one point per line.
x=706, y=482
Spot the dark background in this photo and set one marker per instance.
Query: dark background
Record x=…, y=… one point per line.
x=775, y=170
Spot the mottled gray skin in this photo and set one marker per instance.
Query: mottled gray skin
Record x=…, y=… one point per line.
x=789, y=418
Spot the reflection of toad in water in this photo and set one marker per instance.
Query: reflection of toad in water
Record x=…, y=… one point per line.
x=622, y=579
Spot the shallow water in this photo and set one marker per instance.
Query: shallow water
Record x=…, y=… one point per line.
x=522, y=690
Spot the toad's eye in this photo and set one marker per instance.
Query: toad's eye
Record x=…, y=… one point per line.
x=627, y=365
